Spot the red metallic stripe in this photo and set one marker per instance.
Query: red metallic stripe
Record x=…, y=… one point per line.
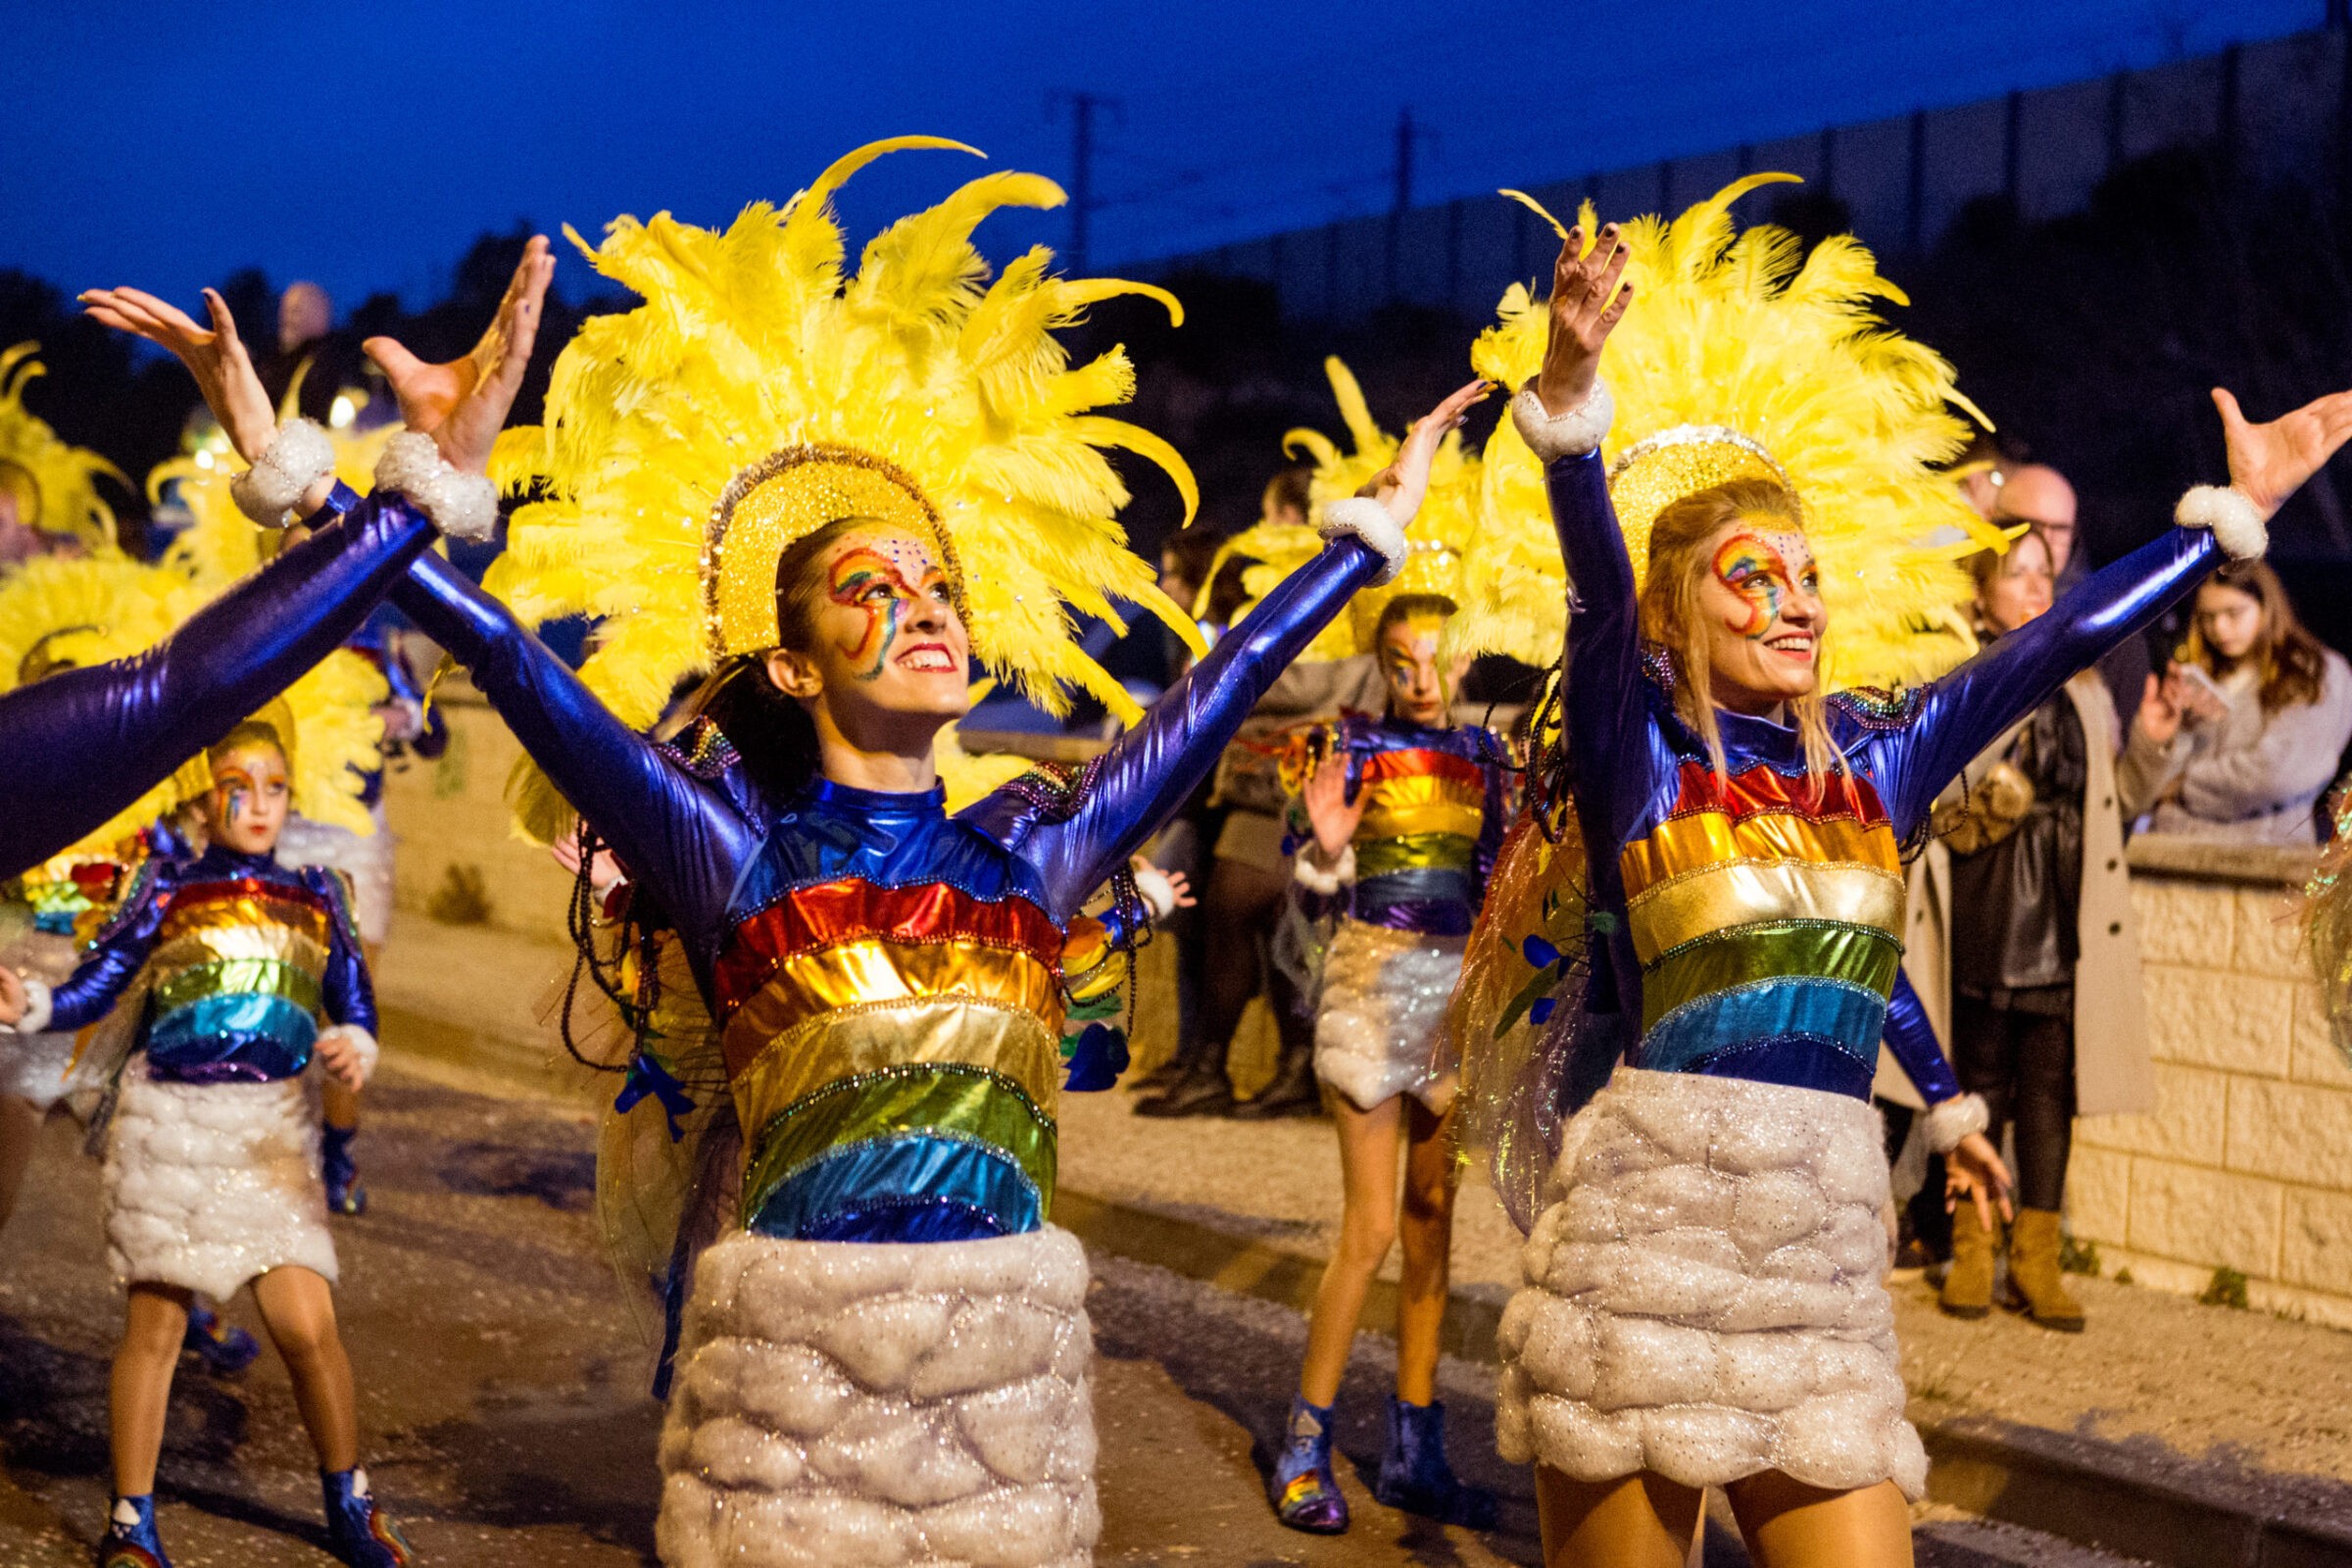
x=1413, y=761
x=1761, y=792
x=853, y=910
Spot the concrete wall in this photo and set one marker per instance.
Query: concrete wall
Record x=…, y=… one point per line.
x=2274, y=111
x=2246, y=1162
x=451, y=816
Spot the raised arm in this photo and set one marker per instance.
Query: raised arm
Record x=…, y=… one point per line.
x=83, y=744
x=683, y=838
x=1147, y=773
x=1962, y=713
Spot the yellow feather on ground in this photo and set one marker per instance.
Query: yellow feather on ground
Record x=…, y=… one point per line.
x=1740, y=330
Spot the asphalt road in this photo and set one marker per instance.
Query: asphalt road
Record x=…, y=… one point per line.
x=502, y=1377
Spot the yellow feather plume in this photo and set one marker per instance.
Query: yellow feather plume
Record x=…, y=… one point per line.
x=754, y=339
x=55, y=486
x=1734, y=329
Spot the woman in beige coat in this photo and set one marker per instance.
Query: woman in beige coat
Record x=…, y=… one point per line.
x=2021, y=943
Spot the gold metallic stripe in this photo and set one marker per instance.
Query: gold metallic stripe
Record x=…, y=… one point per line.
x=807, y=985
x=1717, y=898
x=1684, y=844
x=216, y=915
x=1417, y=852
x=876, y=1035
x=1395, y=808
x=264, y=941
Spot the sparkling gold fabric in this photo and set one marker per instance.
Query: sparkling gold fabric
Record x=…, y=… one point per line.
x=1424, y=803
x=1719, y=897
x=1686, y=843
x=873, y=971
x=1652, y=474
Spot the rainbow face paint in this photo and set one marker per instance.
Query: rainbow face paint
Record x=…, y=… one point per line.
x=1408, y=657
x=241, y=782
x=1763, y=571
x=884, y=591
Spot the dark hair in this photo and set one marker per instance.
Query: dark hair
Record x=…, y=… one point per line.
x=1227, y=593
x=2290, y=660
x=1404, y=607
x=1289, y=490
x=1192, y=551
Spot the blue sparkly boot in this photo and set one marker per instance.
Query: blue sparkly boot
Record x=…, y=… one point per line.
x=224, y=1348
x=357, y=1530
x=131, y=1539
x=1415, y=1477
x=344, y=1194
x=1304, y=1491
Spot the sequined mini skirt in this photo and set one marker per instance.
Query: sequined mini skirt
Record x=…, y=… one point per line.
x=1377, y=1030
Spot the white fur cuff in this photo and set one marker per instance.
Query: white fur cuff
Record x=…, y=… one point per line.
x=299, y=456
x=38, y=1009
x=1158, y=890
x=1326, y=880
x=464, y=506
x=2236, y=525
x=361, y=1041
x=1954, y=1119
x=1362, y=517
x=1572, y=434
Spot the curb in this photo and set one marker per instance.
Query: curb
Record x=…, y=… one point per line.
x=2137, y=1499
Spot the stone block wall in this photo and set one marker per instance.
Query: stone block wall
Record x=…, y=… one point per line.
x=2246, y=1161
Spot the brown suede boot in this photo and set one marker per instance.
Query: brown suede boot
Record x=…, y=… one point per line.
x=1968, y=1288
x=2034, y=1276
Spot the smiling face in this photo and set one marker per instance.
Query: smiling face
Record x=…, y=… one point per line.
x=250, y=798
x=2019, y=585
x=875, y=635
x=1759, y=603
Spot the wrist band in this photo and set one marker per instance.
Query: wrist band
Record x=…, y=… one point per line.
x=299, y=456
x=463, y=506
x=1572, y=434
x=1364, y=518
x=1955, y=1119
x=2235, y=521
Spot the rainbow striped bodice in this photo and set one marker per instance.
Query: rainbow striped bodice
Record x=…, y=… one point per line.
x=1434, y=814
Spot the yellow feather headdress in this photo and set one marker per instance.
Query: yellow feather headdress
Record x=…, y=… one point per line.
x=220, y=544
x=763, y=390
x=59, y=613
x=55, y=485
x=1438, y=538
x=1741, y=353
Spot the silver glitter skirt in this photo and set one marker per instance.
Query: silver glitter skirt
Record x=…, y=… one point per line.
x=1378, y=1025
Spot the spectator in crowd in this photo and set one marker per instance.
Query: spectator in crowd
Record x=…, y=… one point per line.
x=2241, y=737
x=2039, y=496
x=2046, y=1014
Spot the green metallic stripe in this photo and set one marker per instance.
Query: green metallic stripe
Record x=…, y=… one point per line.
x=952, y=1098
x=1769, y=950
x=1414, y=851
x=254, y=977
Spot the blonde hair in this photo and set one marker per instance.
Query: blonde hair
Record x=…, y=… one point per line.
x=1671, y=619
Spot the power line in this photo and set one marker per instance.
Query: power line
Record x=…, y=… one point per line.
x=1083, y=108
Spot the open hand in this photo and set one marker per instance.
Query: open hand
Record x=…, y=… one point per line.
x=1589, y=297
x=2161, y=708
x=2268, y=463
x=1404, y=482
x=1974, y=1171
x=464, y=404
x=11, y=997
x=603, y=869
x=217, y=359
x=1328, y=808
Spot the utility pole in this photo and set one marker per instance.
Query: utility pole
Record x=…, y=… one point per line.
x=1407, y=134
x=1083, y=108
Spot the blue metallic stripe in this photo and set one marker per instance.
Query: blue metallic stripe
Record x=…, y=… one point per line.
x=1838, y=1013
x=1801, y=1062
x=266, y=1035
x=897, y=1170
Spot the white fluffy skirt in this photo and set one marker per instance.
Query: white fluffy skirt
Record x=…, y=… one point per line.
x=209, y=1185
x=366, y=859
x=1705, y=1296
x=34, y=1066
x=1383, y=1003
x=841, y=1403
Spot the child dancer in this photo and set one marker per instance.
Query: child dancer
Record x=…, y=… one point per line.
x=235, y=974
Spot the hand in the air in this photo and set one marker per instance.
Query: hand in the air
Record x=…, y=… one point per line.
x=13, y=1001
x=217, y=359
x=2268, y=463
x=1182, y=886
x=1973, y=1170
x=340, y=1056
x=2161, y=708
x=603, y=869
x=464, y=404
x=1401, y=485
x=1589, y=297
x=1328, y=808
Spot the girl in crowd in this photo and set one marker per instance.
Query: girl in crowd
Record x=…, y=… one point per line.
x=2241, y=738
x=234, y=975
x=1704, y=1301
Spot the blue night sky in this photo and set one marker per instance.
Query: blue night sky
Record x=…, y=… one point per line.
x=167, y=144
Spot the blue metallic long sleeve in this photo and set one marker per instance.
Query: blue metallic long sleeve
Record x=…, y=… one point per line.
x=83, y=744
x=1916, y=1050
x=1609, y=735
x=116, y=956
x=687, y=841
x=348, y=992
x=1964, y=712
x=1149, y=772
